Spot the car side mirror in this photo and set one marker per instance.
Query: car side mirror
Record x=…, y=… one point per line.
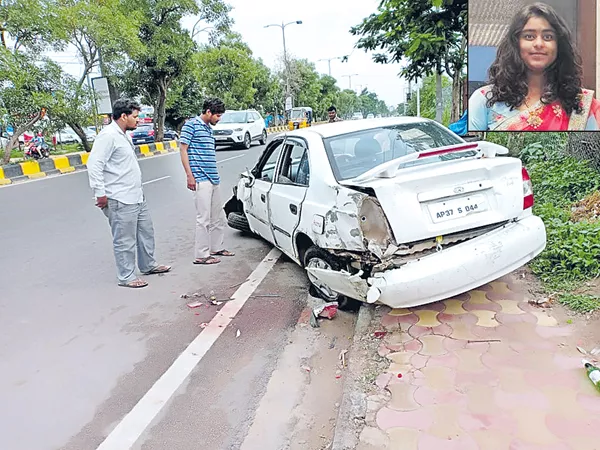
x=251, y=121
x=249, y=182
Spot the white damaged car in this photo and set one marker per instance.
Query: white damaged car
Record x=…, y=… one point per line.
x=398, y=211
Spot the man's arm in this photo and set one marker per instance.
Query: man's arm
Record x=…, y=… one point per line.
x=101, y=152
x=186, y=137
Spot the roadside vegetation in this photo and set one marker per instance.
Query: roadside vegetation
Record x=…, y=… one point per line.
x=568, y=201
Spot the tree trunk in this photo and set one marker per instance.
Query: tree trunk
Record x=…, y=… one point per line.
x=81, y=133
x=455, y=112
x=160, y=112
x=15, y=137
x=439, y=100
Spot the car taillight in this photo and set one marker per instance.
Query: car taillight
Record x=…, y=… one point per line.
x=151, y=133
x=527, y=189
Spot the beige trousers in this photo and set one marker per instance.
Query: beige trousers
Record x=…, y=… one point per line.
x=210, y=219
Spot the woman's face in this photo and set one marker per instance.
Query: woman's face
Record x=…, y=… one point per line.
x=537, y=43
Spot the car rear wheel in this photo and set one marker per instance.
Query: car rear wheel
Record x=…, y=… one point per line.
x=238, y=221
x=263, y=139
x=318, y=258
x=247, y=141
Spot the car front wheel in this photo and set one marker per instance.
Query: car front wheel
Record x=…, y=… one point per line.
x=247, y=141
x=263, y=139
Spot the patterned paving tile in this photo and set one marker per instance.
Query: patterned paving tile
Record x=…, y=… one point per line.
x=419, y=361
x=471, y=359
x=441, y=330
x=419, y=419
x=486, y=318
x=564, y=427
x=460, y=442
x=509, y=307
x=390, y=323
x=518, y=444
x=400, y=312
x=462, y=331
x=544, y=320
x=448, y=360
x=440, y=378
x=402, y=397
x=426, y=396
x=502, y=422
x=452, y=319
x=403, y=438
x=590, y=403
x=427, y=318
x=454, y=307
x=491, y=439
x=532, y=427
x=413, y=346
x=480, y=400
x=433, y=345
x=400, y=357
x=565, y=401
x=532, y=398
x=445, y=423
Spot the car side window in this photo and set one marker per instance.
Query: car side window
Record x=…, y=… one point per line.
x=267, y=172
x=294, y=166
x=257, y=117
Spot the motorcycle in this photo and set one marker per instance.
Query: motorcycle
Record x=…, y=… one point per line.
x=37, y=150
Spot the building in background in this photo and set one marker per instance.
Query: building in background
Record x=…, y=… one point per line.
x=489, y=22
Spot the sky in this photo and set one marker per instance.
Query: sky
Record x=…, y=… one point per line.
x=324, y=33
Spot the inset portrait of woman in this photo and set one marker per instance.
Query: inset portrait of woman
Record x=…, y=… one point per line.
x=535, y=82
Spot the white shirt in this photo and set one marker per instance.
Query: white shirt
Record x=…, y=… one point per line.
x=113, y=167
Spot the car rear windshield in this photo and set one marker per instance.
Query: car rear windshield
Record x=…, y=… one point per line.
x=353, y=154
x=234, y=117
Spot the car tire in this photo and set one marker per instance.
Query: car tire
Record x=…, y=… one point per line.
x=239, y=222
x=316, y=255
x=247, y=141
x=263, y=139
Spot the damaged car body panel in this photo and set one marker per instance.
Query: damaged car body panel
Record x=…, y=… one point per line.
x=398, y=229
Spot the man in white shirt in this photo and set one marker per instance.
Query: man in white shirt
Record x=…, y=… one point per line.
x=116, y=179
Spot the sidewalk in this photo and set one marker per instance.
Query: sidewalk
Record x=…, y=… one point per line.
x=485, y=370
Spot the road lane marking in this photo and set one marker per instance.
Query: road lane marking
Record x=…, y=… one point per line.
x=229, y=159
x=132, y=426
x=155, y=180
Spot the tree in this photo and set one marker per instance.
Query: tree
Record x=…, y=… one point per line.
x=428, y=99
x=169, y=49
x=26, y=92
x=304, y=82
x=347, y=103
x=429, y=35
x=269, y=97
x=329, y=92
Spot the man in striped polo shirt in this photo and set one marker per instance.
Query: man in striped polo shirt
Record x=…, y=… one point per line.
x=199, y=159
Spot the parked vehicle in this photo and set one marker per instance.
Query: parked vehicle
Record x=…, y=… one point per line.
x=300, y=117
x=66, y=136
x=399, y=211
x=145, y=134
x=357, y=116
x=240, y=128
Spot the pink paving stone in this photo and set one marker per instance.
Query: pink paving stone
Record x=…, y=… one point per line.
x=467, y=319
x=566, y=428
x=503, y=296
x=416, y=331
x=409, y=318
x=383, y=380
x=559, y=379
x=589, y=402
x=568, y=362
x=507, y=319
x=413, y=346
x=428, y=442
x=443, y=330
x=427, y=397
x=454, y=344
x=465, y=379
x=448, y=360
x=491, y=306
x=486, y=287
x=485, y=332
x=390, y=322
x=554, y=332
x=518, y=444
x=474, y=422
x=419, y=361
x=420, y=419
x=383, y=350
x=437, y=306
x=533, y=399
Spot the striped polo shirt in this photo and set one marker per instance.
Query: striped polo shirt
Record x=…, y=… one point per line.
x=201, y=150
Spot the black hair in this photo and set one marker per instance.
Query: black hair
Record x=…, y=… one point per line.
x=332, y=108
x=508, y=73
x=124, y=106
x=214, y=105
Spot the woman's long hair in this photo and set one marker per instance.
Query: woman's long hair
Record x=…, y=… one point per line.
x=508, y=73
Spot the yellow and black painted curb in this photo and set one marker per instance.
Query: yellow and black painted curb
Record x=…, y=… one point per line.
x=33, y=169
x=283, y=128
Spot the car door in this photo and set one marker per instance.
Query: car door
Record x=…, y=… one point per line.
x=288, y=192
x=257, y=210
x=256, y=126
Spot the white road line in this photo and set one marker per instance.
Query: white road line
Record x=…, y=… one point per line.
x=157, y=179
x=129, y=430
x=229, y=159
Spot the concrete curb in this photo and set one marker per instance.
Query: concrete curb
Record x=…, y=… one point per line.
x=353, y=406
x=283, y=128
x=32, y=169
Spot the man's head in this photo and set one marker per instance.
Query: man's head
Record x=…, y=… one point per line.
x=332, y=112
x=212, y=110
x=126, y=112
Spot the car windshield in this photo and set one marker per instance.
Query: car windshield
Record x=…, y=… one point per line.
x=234, y=117
x=297, y=114
x=353, y=154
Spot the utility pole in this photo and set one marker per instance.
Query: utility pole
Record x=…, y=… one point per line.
x=331, y=59
x=285, y=59
x=350, y=79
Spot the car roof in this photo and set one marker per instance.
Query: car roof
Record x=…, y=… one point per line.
x=350, y=126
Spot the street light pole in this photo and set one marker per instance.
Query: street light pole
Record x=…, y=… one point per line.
x=350, y=79
x=329, y=61
x=285, y=59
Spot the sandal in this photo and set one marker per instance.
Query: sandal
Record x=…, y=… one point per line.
x=135, y=284
x=223, y=253
x=159, y=269
x=207, y=261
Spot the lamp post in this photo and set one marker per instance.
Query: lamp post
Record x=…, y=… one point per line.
x=285, y=60
x=331, y=59
x=350, y=79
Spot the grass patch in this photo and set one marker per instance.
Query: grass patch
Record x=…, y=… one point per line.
x=581, y=303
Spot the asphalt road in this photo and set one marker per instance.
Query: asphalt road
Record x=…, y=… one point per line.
x=77, y=352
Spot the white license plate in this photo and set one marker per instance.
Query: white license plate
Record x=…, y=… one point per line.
x=220, y=138
x=460, y=207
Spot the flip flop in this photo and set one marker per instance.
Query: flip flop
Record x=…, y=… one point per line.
x=135, y=284
x=207, y=261
x=159, y=269
x=223, y=253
